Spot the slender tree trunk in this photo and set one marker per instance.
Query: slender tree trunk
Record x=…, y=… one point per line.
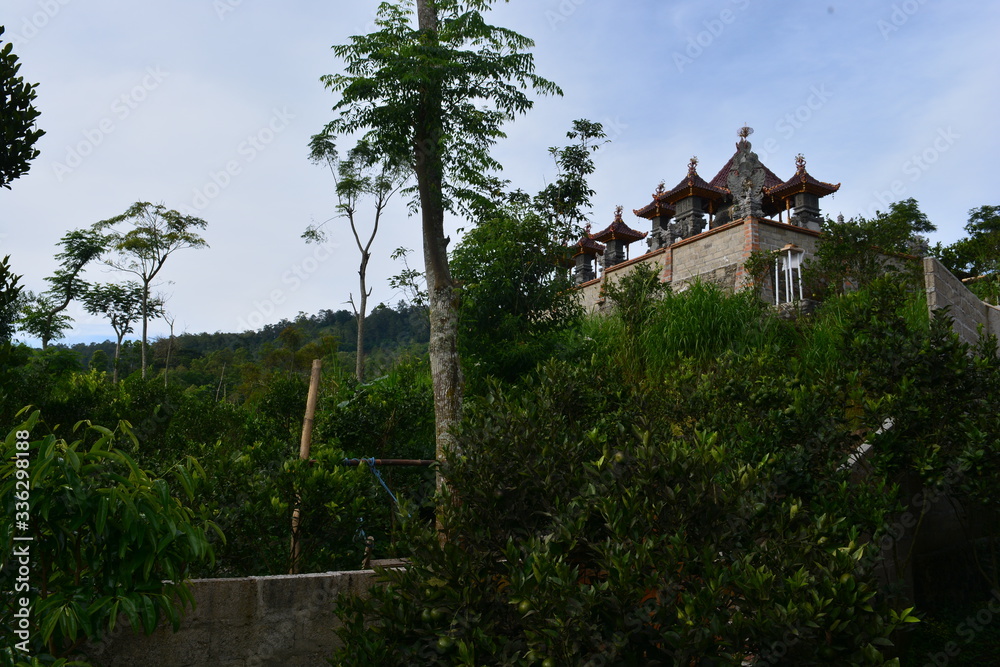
x=445, y=370
x=145, y=323
x=118, y=351
x=360, y=313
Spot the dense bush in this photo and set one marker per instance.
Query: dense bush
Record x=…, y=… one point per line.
x=107, y=537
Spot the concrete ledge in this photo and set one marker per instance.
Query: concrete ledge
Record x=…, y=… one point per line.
x=279, y=621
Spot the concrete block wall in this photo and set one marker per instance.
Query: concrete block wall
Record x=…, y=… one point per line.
x=713, y=256
x=968, y=311
x=279, y=621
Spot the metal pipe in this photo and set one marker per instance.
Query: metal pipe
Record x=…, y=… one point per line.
x=392, y=462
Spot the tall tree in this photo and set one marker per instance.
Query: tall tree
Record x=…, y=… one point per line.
x=436, y=98
x=122, y=305
x=156, y=233
x=363, y=173
x=567, y=200
x=976, y=258
x=43, y=314
x=17, y=118
x=42, y=317
x=858, y=251
x=10, y=297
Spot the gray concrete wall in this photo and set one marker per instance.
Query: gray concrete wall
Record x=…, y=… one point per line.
x=945, y=290
x=280, y=621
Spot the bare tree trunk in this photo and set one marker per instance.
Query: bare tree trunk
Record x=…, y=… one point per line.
x=145, y=324
x=118, y=352
x=170, y=344
x=445, y=370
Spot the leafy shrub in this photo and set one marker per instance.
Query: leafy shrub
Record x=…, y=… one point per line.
x=108, y=538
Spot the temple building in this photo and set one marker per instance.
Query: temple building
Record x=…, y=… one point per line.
x=706, y=230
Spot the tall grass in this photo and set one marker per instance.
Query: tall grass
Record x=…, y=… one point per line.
x=702, y=323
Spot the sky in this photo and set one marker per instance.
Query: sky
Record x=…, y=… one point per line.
x=207, y=107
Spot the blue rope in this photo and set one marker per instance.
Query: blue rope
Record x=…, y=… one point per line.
x=378, y=476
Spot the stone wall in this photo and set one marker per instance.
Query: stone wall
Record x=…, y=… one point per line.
x=944, y=290
x=280, y=621
x=713, y=256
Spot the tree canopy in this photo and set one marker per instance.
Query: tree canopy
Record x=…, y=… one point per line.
x=17, y=118
x=435, y=96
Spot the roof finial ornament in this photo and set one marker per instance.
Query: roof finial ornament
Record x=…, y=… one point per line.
x=660, y=188
x=800, y=163
x=745, y=131
x=586, y=229
x=618, y=213
x=693, y=165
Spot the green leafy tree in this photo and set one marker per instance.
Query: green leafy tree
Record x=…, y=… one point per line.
x=110, y=538
x=122, y=305
x=10, y=300
x=858, y=251
x=44, y=314
x=517, y=301
x=363, y=173
x=976, y=258
x=567, y=200
x=42, y=317
x=17, y=118
x=156, y=233
x=435, y=97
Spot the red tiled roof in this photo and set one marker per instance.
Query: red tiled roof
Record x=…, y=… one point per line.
x=587, y=246
x=693, y=184
x=657, y=207
x=618, y=230
x=802, y=182
x=721, y=179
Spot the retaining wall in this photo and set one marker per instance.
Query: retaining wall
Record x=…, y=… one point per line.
x=279, y=621
x=944, y=290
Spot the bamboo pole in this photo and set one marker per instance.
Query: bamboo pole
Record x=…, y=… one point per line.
x=307, y=427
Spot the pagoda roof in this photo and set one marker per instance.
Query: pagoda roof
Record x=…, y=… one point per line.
x=657, y=207
x=587, y=245
x=721, y=179
x=694, y=185
x=802, y=182
x=618, y=231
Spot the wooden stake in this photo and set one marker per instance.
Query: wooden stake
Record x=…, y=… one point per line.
x=306, y=442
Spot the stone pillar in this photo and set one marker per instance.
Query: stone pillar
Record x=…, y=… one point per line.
x=806, y=211
x=661, y=235
x=584, y=269
x=689, y=214
x=614, y=253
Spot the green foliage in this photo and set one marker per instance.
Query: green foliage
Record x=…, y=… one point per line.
x=584, y=527
x=977, y=256
x=18, y=114
x=460, y=82
x=10, y=297
x=855, y=252
x=566, y=202
x=517, y=302
x=109, y=538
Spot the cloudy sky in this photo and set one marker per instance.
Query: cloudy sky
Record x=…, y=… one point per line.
x=207, y=106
